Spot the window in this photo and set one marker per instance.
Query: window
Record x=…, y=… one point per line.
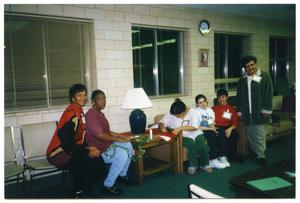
x=281, y=52
x=157, y=60
x=229, y=49
x=43, y=58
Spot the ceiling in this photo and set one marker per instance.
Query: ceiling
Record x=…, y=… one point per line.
x=282, y=12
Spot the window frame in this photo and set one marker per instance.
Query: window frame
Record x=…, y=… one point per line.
x=88, y=67
x=245, y=46
x=181, y=71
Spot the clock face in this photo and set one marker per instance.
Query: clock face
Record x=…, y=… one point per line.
x=204, y=27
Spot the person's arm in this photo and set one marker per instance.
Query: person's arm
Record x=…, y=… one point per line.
x=66, y=135
x=113, y=137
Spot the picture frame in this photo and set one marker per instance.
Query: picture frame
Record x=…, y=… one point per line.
x=203, y=57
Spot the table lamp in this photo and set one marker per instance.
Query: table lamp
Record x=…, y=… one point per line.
x=137, y=99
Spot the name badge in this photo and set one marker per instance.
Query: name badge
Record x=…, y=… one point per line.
x=256, y=78
x=226, y=115
x=210, y=121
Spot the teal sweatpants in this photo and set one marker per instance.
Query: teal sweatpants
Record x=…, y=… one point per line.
x=197, y=148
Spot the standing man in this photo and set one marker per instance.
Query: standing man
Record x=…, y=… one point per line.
x=254, y=104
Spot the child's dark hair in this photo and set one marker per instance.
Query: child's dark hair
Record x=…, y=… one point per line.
x=246, y=59
x=200, y=96
x=222, y=92
x=95, y=93
x=75, y=89
x=177, y=107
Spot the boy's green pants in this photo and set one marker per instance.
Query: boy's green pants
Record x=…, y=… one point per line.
x=196, y=148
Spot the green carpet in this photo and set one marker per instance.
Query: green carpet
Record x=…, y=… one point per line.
x=167, y=185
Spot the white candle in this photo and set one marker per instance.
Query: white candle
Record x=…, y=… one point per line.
x=151, y=134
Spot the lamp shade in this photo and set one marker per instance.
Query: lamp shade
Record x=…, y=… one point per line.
x=137, y=99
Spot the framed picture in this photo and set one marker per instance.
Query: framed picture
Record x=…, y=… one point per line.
x=203, y=57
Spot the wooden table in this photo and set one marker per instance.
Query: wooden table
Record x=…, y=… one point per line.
x=148, y=166
x=277, y=169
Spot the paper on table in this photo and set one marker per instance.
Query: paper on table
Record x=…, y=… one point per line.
x=166, y=138
x=271, y=183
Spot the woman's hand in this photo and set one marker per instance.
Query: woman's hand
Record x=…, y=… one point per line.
x=228, y=132
x=93, y=152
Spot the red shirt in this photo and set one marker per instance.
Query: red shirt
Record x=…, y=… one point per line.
x=220, y=120
x=97, y=123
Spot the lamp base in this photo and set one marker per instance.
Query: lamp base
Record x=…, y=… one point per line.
x=137, y=121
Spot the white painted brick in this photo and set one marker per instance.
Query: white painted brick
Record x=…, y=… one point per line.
x=25, y=8
x=142, y=10
x=171, y=13
x=127, y=36
x=51, y=116
x=50, y=9
x=113, y=54
x=106, y=63
x=94, y=13
x=28, y=119
x=149, y=20
x=71, y=11
x=105, y=44
x=114, y=16
x=100, y=54
x=160, y=12
x=124, y=8
x=10, y=121
x=105, y=6
x=164, y=21
x=123, y=45
x=122, y=26
x=84, y=5
x=124, y=63
x=133, y=18
x=99, y=34
x=115, y=35
x=115, y=73
x=107, y=83
x=103, y=24
x=114, y=92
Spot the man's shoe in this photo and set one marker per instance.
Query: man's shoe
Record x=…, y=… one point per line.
x=114, y=191
x=262, y=161
x=125, y=179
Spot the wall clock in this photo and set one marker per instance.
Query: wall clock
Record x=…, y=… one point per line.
x=204, y=27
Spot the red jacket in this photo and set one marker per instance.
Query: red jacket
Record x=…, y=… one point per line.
x=69, y=136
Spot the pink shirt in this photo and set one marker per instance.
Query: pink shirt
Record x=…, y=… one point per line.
x=97, y=123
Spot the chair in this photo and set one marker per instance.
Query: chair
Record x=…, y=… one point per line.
x=197, y=192
x=35, y=139
x=13, y=171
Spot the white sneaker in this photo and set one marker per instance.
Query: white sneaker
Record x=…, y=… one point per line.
x=192, y=170
x=224, y=160
x=215, y=163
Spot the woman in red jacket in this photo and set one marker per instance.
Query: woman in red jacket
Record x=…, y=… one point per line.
x=68, y=148
x=226, y=119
